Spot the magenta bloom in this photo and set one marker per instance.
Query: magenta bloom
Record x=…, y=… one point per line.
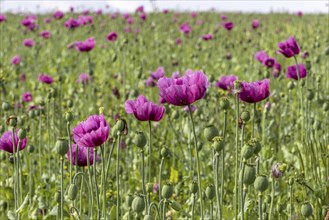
x=27, y=22
x=27, y=97
x=28, y=42
x=226, y=82
x=71, y=23
x=45, y=34
x=178, y=41
x=261, y=56
x=150, y=82
x=276, y=69
x=6, y=142
x=84, y=78
x=47, y=20
x=85, y=46
x=223, y=17
x=277, y=171
x=143, y=16
x=299, y=13
x=165, y=11
x=144, y=110
x=84, y=20
x=255, y=91
x=185, y=28
x=255, y=24
x=82, y=155
x=289, y=48
x=112, y=36
x=184, y=90
x=175, y=75
x=292, y=72
x=2, y=18
x=16, y=60
x=194, y=14
x=228, y=25
x=58, y=15
x=140, y=9
x=91, y=133
x=269, y=62
x=130, y=20
x=158, y=73
x=207, y=37
x=99, y=12
x=46, y=79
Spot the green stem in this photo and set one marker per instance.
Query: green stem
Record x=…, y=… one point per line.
x=198, y=162
x=150, y=153
x=164, y=209
x=62, y=188
x=216, y=182
x=272, y=198
x=19, y=173
x=241, y=189
x=260, y=210
x=223, y=164
x=118, y=179
x=193, y=204
x=156, y=208
x=84, y=179
x=291, y=207
x=15, y=169
x=96, y=185
x=30, y=180
x=160, y=177
x=90, y=182
x=253, y=121
x=103, y=182
x=211, y=210
x=143, y=180
x=70, y=149
x=236, y=155
x=109, y=161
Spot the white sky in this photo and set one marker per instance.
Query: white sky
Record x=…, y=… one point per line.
x=310, y=6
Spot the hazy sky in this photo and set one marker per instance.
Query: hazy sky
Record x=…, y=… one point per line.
x=311, y=6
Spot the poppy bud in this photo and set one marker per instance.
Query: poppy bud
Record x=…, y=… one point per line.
x=247, y=151
x=138, y=204
x=291, y=181
x=257, y=146
x=307, y=209
x=140, y=139
x=5, y=106
x=175, y=206
x=326, y=51
x=61, y=146
x=249, y=175
x=309, y=94
x=57, y=196
x=210, y=192
x=120, y=125
x=167, y=191
x=12, y=121
x=325, y=106
x=210, y=132
x=114, y=58
x=317, y=125
x=308, y=65
x=218, y=144
x=30, y=148
x=68, y=116
x=261, y=183
x=224, y=103
x=165, y=152
x=21, y=134
x=193, y=187
x=245, y=116
x=175, y=114
x=291, y=85
x=73, y=192
x=129, y=200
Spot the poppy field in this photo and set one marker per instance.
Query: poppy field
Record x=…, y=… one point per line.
x=164, y=115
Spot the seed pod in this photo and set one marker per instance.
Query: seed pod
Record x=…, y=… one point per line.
x=138, y=204
x=309, y=94
x=165, y=152
x=129, y=200
x=57, y=196
x=210, y=132
x=30, y=148
x=224, y=103
x=12, y=121
x=21, y=134
x=140, y=139
x=317, y=125
x=210, y=192
x=247, y=151
x=73, y=192
x=193, y=187
x=291, y=181
x=307, y=209
x=68, y=116
x=175, y=206
x=167, y=191
x=120, y=125
x=245, y=116
x=218, y=144
x=261, y=183
x=291, y=85
x=61, y=146
x=257, y=146
x=249, y=175
x=5, y=106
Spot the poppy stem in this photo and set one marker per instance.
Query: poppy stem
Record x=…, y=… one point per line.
x=253, y=121
x=70, y=147
x=143, y=180
x=62, y=188
x=160, y=177
x=223, y=164
x=236, y=155
x=150, y=153
x=260, y=210
x=216, y=182
x=90, y=182
x=118, y=178
x=103, y=181
x=96, y=185
x=109, y=160
x=197, y=161
x=15, y=168
x=272, y=199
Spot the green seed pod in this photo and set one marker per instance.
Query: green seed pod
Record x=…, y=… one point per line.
x=120, y=125
x=32, y=113
x=261, y=183
x=21, y=134
x=193, y=187
x=175, y=114
x=291, y=85
x=167, y=191
x=249, y=175
x=140, y=139
x=245, y=116
x=218, y=144
x=210, y=192
x=138, y=204
x=12, y=121
x=308, y=65
x=224, y=103
x=210, y=132
x=175, y=206
x=68, y=116
x=61, y=146
x=257, y=146
x=165, y=152
x=291, y=181
x=129, y=200
x=30, y=148
x=148, y=217
x=149, y=187
x=309, y=94
x=57, y=197
x=69, y=103
x=20, y=121
x=247, y=151
x=73, y=192
x=5, y=106
x=307, y=210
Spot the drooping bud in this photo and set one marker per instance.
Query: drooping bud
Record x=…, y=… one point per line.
x=68, y=116
x=224, y=103
x=165, y=152
x=12, y=121
x=218, y=144
x=57, y=196
x=73, y=192
x=175, y=206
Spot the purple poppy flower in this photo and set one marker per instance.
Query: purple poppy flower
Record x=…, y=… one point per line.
x=112, y=36
x=228, y=25
x=193, y=108
x=126, y=16
x=47, y=20
x=178, y=41
x=84, y=78
x=86, y=12
x=85, y=46
x=34, y=107
x=223, y=17
x=84, y=20
x=58, y=15
x=261, y=56
x=16, y=60
x=27, y=22
x=199, y=22
x=267, y=106
x=144, y=110
x=305, y=55
x=71, y=23
x=289, y=48
x=45, y=78
x=99, y=12
x=155, y=187
x=194, y=14
x=165, y=11
x=82, y=155
x=6, y=142
x=130, y=20
x=127, y=29
x=150, y=82
x=292, y=72
x=299, y=13
x=27, y=97
x=207, y=37
x=140, y=9
x=185, y=28
x=28, y=42
x=45, y=34
x=269, y=62
x=175, y=75
x=158, y=73
x=184, y=90
x=2, y=18
x=22, y=77
x=226, y=82
x=255, y=24
x=114, y=16
x=254, y=91
x=276, y=69
x=143, y=16
x=278, y=170
x=91, y=133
